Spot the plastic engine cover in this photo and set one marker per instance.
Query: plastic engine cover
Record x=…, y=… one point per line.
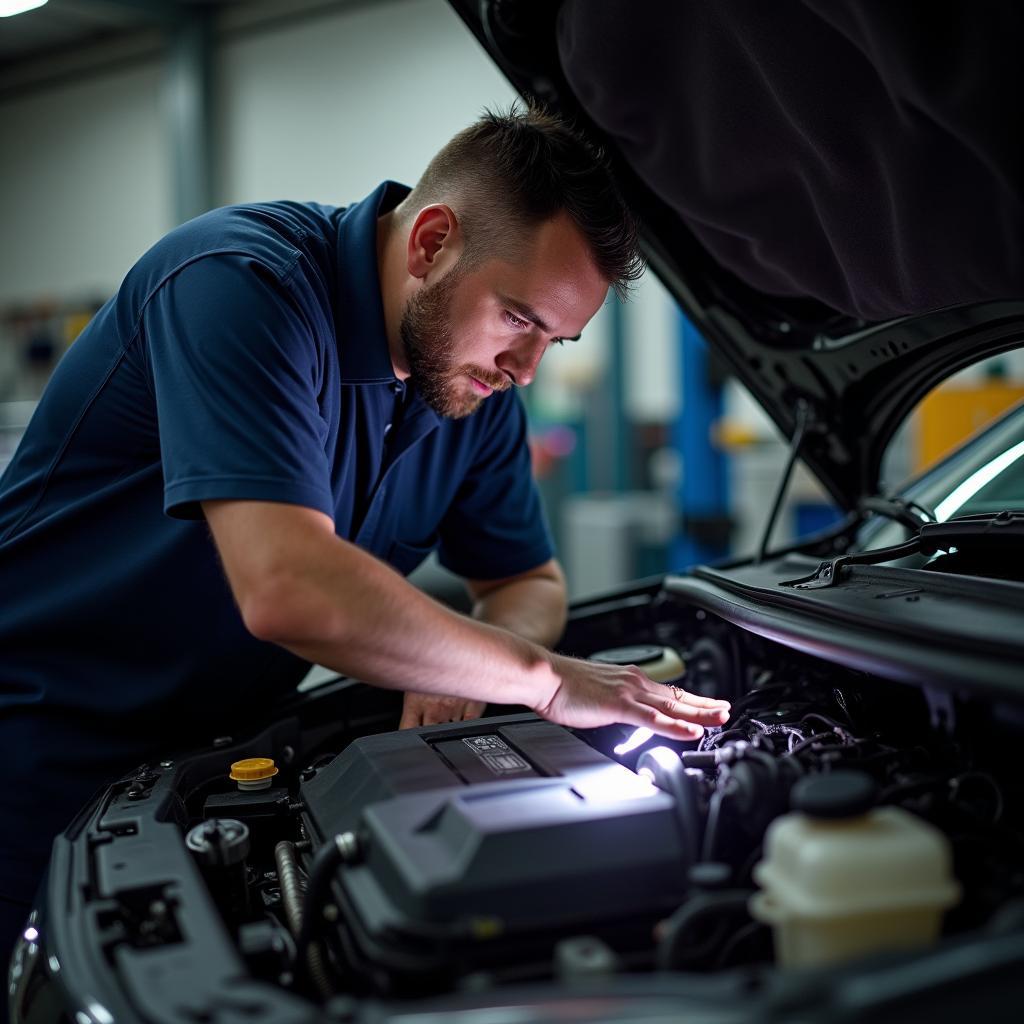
x=475, y=836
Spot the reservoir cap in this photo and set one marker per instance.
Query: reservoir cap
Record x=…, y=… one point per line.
x=638, y=655
x=254, y=769
x=835, y=795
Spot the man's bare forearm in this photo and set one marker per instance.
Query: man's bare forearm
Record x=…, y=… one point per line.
x=533, y=608
x=393, y=635
x=300, y=586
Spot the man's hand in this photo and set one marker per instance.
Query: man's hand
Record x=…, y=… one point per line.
x=590, y=694
x=432, y=709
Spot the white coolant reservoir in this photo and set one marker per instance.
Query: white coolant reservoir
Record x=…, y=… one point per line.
x=661, y=664
x=841, y=879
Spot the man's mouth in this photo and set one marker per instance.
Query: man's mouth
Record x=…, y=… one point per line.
x=479, y=386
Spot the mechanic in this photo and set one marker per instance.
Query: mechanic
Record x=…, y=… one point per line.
x=283, y=409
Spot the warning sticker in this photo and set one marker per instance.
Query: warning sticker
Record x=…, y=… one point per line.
x=497, y=755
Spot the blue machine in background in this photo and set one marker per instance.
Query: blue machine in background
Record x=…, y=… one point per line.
x=703, y=494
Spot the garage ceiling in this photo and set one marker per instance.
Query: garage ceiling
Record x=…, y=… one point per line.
x=65, y=39
x=61, y=25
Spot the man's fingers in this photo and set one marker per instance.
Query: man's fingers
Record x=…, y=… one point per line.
x=428, y=709
x=676, y=703
x=678, y=693
x=674, y=728
x=410, y=719
x=416, y=710
x=437, y=712
x=701, y=702
x=677, y=719
x=649, y=716
x=666, y=703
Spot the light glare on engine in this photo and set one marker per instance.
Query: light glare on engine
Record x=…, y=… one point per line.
x=638, y=739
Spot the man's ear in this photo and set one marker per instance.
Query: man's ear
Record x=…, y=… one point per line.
x=435, y=241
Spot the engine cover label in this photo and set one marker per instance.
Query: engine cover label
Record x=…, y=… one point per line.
x=497, y=755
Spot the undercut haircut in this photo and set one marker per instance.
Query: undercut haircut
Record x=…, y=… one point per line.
x=515, y=170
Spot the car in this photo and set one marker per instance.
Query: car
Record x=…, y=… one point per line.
x=831, y=196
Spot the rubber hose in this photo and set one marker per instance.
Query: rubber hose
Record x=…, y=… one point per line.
x=291, y=897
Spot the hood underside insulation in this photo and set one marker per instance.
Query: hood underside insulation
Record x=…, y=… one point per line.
x=865, y=155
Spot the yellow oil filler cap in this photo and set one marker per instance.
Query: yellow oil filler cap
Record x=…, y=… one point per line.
x=254, y=772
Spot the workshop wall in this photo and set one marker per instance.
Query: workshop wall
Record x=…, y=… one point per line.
x=328, y=106
x=322, y=106
x=85, y=184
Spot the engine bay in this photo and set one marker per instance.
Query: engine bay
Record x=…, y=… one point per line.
x=468, y=860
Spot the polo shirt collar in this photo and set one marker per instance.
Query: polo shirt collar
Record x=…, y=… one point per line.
x=359, y=314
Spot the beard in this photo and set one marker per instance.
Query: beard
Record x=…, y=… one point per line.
x=429, y=346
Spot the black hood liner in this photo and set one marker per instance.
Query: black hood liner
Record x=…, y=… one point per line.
x=866, y=155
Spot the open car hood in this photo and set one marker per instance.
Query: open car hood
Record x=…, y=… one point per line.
x=834, y=196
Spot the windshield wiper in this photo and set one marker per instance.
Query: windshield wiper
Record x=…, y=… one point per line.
x=910, y=514
x=983, y=532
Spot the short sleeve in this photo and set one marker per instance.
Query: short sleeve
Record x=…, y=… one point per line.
x=495, y=526
x=234, y=367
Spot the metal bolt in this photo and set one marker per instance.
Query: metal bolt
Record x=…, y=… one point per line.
x=348, y=846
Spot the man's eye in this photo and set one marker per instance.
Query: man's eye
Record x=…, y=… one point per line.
x=515, y=321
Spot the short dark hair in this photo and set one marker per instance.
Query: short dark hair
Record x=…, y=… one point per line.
x=520, y=168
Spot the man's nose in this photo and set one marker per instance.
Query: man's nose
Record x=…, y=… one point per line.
x=521, y=361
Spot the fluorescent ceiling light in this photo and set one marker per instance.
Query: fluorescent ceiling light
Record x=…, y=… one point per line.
x=11, y=7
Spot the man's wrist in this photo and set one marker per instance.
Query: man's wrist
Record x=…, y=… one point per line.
x=548, y=680
x=536, y=680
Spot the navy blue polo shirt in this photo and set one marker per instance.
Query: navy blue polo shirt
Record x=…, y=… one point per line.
x=243, y=357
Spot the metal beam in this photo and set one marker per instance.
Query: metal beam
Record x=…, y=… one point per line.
x=188, y=112
x=607, y=427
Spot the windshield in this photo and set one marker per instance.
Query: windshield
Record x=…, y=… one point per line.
x=985, y=475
